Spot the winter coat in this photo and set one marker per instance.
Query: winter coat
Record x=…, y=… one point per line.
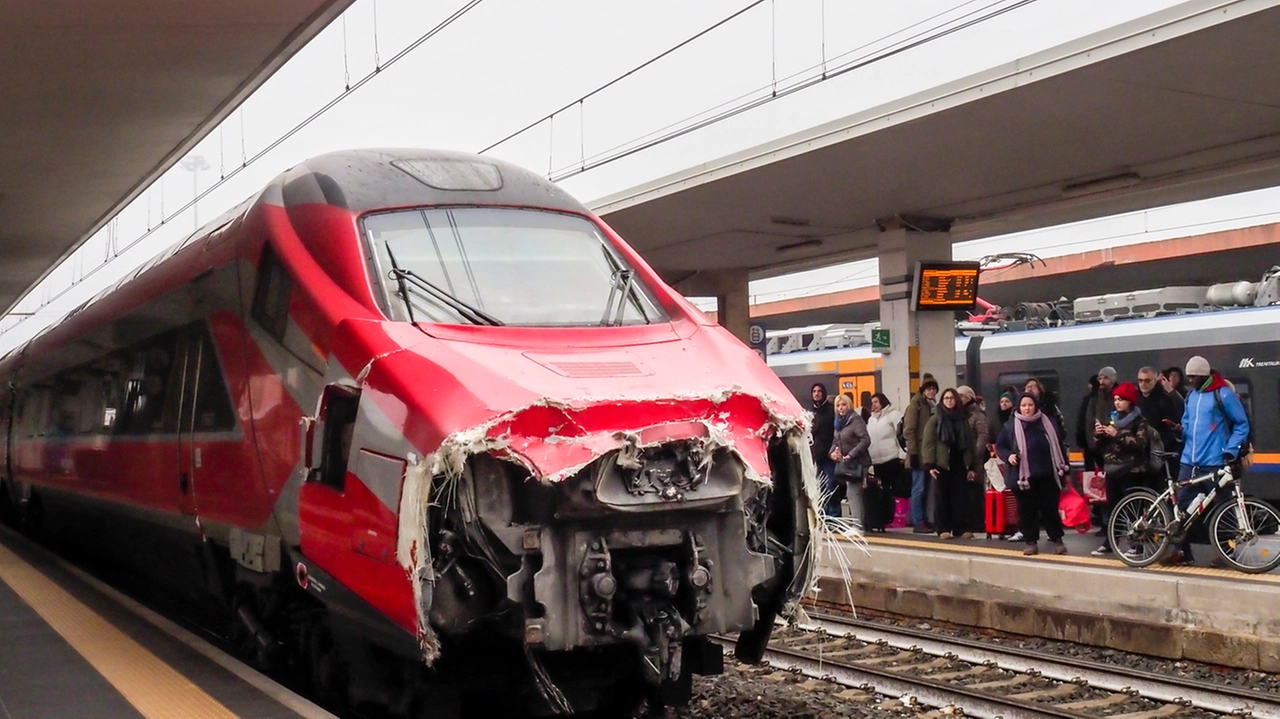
x=1159, y=406
x=979, y=430
x=1207, y=432
x=824, y=430
x=853, y=440
x=936, y=455
x=1130, y=448
x=884, y=436
x=919, y=410
x=1098, y=409
x=1040, y=455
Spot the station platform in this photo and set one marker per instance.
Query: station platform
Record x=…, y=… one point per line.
x=72, y=646
x=1200, y=613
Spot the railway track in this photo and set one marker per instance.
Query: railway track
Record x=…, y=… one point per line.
x=983, y=680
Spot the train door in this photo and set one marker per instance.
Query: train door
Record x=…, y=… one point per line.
x=204, y=408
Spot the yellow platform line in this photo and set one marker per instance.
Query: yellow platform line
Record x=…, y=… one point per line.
x=1271, y=578
x=153, y=687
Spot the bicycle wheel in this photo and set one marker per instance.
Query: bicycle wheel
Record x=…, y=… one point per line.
x=1137, y=529
x=1254, y=552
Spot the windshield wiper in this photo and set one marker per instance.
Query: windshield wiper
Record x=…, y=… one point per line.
x=404, y=292
x=620, y=288
x=420, y=283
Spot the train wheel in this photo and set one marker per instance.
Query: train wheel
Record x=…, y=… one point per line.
x=1256, y=551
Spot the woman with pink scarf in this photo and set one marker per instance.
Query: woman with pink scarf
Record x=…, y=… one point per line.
x=1036, y=462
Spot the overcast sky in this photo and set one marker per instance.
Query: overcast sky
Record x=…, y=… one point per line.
x=508, y=63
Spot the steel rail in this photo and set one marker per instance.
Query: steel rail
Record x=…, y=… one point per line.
x=910, y=688
x=1194, y=692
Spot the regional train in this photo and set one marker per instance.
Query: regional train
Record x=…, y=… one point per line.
x=422, y=428
x=1242, y=344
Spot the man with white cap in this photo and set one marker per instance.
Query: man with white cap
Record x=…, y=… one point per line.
x=1214, y=427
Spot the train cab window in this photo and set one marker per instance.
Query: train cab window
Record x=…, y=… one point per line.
x=339, y=427
x=272, y=294
x=519, y=267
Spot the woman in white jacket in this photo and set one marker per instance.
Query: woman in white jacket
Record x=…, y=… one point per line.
x=888, y=477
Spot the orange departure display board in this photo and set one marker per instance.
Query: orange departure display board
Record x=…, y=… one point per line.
x=945, y=286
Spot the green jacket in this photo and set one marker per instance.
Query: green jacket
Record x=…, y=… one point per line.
x=934, y=453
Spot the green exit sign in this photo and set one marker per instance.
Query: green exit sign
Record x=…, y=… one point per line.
x=880, y=340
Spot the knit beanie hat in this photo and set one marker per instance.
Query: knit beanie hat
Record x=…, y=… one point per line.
x=927, y=381
x=1108, y=372
x=1128, y=391
x=1197, y=367
x=966, y=391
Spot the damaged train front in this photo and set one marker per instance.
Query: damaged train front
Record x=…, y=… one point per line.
x=617, y=533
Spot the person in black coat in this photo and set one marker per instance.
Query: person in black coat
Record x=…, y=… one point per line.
x=824, y=430
x=1163, y=410
x=1032, y=448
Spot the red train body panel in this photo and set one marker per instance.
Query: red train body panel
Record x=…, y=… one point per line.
x=427, y=402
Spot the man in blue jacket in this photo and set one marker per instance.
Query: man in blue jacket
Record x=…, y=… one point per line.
x=1214, y=427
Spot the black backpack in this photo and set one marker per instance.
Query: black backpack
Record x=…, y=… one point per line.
x=1155, y=463
x=902, y=438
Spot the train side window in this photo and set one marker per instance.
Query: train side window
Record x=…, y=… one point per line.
x=339, y=427
x=213, y=407
x=272, y=293
x=151, y=392
x=1244, y=391
x=1048, y=378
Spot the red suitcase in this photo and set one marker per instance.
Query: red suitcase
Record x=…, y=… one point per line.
x=1001, y=512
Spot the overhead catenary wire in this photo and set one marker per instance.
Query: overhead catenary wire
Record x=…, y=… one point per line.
x=247, y=161
x=624, y=75
x=658, y=137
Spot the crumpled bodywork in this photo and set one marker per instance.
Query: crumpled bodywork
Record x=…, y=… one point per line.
x=594, y=440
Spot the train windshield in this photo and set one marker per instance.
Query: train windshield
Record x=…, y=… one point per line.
x=502, y=266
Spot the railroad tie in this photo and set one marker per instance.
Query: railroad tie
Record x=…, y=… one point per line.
x=1099, y=703
x=937, y=663
x=841, y=653
x=900, y=656
x=1061, y=690
x=1013, y=682
x=963, y=674
x=1167, y=710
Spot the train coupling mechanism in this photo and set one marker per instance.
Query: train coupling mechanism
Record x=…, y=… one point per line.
x=640, y=601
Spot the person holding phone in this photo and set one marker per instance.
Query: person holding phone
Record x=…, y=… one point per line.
x=1163, y=409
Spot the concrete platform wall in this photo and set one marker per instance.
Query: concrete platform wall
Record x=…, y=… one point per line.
x=1232, y=622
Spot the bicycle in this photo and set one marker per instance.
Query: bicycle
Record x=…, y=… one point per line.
x=1245, y=532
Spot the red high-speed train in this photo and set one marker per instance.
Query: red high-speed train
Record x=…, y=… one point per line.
x=425, y=428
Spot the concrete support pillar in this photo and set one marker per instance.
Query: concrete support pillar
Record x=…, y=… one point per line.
x=919, y=341
x=733, y=301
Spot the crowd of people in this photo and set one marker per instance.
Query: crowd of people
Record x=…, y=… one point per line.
x=939, y=451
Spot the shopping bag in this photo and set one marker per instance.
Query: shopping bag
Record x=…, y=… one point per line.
x=1073, y=510
x=901, y=512
x=995, y=473
x=1094, y=486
